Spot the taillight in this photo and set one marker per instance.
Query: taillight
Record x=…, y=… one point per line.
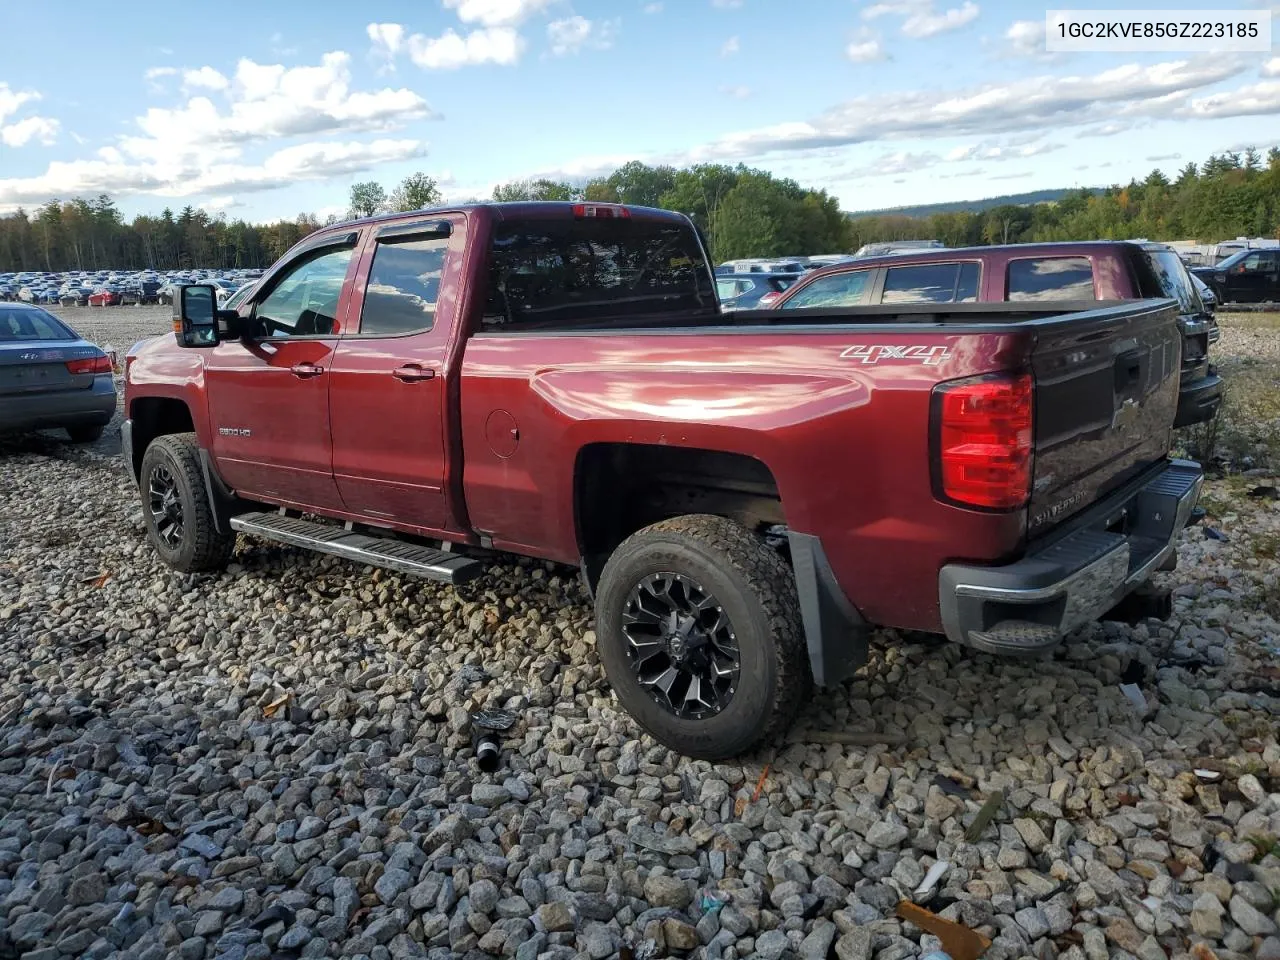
x=982, y=435
x=589, y=210
x=89, y=365
x=769, y=299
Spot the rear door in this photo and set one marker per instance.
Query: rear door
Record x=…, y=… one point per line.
x=1106, y=391
x=388, y=384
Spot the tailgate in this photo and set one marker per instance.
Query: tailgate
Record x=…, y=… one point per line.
x=41, y=367
x=1106, y=386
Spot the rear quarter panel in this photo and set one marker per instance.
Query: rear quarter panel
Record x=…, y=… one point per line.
x=843, y=429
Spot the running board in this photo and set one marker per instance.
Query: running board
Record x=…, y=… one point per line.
x=395, y=555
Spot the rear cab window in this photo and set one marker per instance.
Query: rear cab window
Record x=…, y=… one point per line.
x=1050, y=278
x=596, y=272
x=955, y=282
x=17, y=326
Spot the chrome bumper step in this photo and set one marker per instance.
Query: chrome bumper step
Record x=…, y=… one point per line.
x=397, y=555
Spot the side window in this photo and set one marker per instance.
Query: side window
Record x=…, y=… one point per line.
x=305, y=302
x=837, y=290
x=404, y=285
x=932, y=283
x=1252, y=263
x=1051, y=278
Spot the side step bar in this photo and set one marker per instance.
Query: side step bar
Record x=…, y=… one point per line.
x=395, y=555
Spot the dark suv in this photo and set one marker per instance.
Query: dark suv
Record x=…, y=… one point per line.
x=1037, y=273
x=1250, y=276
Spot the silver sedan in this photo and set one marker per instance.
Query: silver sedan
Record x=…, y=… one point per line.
x=50, y=377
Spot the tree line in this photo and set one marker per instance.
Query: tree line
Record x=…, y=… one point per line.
x=743, y=212
x=1234, y=194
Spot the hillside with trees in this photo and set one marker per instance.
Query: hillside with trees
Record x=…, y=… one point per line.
x=743, y=212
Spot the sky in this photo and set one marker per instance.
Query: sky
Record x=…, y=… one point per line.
x=265, y=110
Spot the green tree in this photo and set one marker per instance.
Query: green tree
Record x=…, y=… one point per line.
x=416, y=192
x=367, y=198
x=542, y=189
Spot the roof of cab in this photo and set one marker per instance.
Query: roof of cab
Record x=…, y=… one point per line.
x=533, y=209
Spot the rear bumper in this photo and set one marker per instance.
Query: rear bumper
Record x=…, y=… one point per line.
x=93, y=406
x=1199, y=400
x=1030, y=605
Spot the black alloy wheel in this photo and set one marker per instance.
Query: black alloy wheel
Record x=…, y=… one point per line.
x=681, y=645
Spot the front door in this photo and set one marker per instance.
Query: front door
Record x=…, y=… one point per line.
x=1247, y=280
x=269, y=393
x=387, y=385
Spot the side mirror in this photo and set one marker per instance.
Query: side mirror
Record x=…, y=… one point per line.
x=195, y=312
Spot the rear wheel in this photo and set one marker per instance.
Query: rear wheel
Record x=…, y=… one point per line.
x=83, y=434
x=175, y=507
x=699, y=630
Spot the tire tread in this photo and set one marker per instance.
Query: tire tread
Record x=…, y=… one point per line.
x=211, y=550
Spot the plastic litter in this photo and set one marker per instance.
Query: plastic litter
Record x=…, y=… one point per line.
x=984, y=816
x=499, y=720
x=931, y=878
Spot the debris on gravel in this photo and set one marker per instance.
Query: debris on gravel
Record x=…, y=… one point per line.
x=152, y=806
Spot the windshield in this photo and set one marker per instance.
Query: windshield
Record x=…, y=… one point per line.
x=1162, y=274
x=562, y=273
x=1232, y=260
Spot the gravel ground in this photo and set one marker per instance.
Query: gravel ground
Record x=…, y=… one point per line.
x=277, y=762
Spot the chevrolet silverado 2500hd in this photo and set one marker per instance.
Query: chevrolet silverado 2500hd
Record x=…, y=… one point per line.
x=745, y=496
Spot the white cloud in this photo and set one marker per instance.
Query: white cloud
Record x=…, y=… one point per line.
x=1271, y=68
x=652, y=8
x=726, y=4
x=11, y=100
x=24, y=131
x=1258, y=99
x=730, y=47
x=227, y=202
x=574, y=33
x=1161, y=157
x=269, y=101
x=865, y=49
x=206, y=78
x=450, y=50
x=155, y=73
x=387, y=38
x=497, y=13
x=197, y=148
x=920, y=19
x=1026, y=38
x=307, y=161
x=737, y=92
x=1027, y=104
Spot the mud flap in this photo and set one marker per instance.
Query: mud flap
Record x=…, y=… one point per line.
x=835, y=633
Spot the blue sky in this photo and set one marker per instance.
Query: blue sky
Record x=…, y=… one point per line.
x=264, y=110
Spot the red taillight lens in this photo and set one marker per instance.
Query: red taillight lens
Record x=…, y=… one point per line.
x=982, y=441
x=89, y=365
x=589, y=210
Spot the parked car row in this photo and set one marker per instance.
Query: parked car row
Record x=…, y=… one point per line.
x=109, y=288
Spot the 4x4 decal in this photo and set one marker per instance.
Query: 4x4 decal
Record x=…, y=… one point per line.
x=930, y=356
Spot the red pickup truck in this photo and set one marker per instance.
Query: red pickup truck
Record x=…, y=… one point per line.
x=744, y=496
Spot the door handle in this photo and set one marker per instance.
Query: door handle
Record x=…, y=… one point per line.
x=413, y=372
x=305, y=371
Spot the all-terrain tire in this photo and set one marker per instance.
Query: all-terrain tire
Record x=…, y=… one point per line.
x=757, y=592
x=85, y=434
x=200, y=548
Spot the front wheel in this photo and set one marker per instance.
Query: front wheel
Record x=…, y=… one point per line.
x=176, y=509
x=698, y=626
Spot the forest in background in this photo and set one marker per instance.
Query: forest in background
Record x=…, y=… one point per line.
x=744, y=212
